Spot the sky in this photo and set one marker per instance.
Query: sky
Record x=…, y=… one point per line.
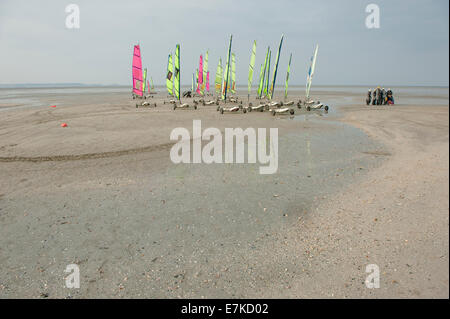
x=411, y=47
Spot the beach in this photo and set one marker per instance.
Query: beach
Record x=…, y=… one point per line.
x=357, y=186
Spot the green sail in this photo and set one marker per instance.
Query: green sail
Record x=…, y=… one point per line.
x=277, y=60
x=266, y=86
x=144, y=80
x=169, y=77
x=177, y=73
x=152, y=86
x=287, y=77
x=262, y=75
x=251, y=67
x=261, y=79
x=227, y=72
x=218, y=81
x=196, y=78
x=233, y=73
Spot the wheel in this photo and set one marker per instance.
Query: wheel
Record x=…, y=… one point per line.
x=218, y=108
x=261, y=109
x=281, y=103
x=291, y=111
x=174, y=106
x=249, y=108
x=326, y=107
x=134, y=97
x=221, y=110
x=155, y=104
x=195, y=107
x=244, y=111
x=217, y=102
x=299, y=105
x=308, y=108
x=273, y=112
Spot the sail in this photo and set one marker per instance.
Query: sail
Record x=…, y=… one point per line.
x=229, y=76
x=262, y=74
x=311, y=70
x=251, y=66
x=218, y=81
x=233, y=73
x=192, y=85
x=287, y=76
x=152, y=87
x=196, y=78
x=277, y=60
x=261, y=80
x=205, y=71
x=137, y=71
x=177, y=79
x=200, y=76
x=266, y=85
x=207, y=81
x=227, y=71
x=144, y=80
x=148, y=85
x=169, y=77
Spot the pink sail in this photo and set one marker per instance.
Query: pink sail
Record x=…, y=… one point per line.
x=137, y=71
x=200, y=76
x=207, y=81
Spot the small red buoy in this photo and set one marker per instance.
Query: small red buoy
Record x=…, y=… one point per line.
x=52, y=105
x=64, y=125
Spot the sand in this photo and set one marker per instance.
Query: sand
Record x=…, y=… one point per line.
x=357, y=186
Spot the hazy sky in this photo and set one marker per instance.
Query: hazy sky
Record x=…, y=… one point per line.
x=410, y=47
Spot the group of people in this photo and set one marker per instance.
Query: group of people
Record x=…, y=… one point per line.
x=380, y=96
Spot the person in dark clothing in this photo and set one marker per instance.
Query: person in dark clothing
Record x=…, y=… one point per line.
x=369, y=97
x=383, y=96
x=378, y=96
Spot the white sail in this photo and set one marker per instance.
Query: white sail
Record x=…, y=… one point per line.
x=312, y=68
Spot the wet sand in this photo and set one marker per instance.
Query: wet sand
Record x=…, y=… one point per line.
x=355, y=186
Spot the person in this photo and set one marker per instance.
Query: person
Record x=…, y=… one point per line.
x=378, y=95
x=390, y=96
x=374, y=96
x=369, y=97
x=383, y=96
